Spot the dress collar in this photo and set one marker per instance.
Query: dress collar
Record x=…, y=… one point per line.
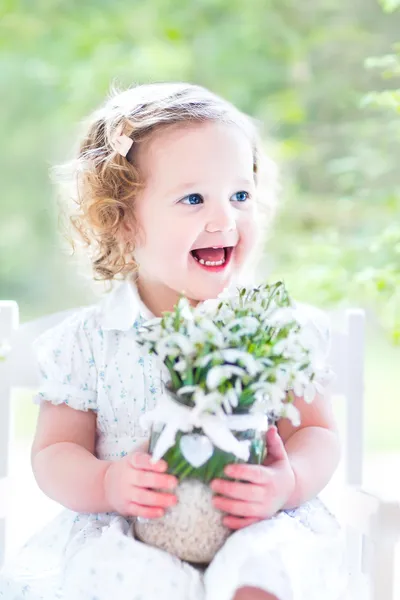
x=122, y=307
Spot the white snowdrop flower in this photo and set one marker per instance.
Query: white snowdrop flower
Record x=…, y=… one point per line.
x=265, y=362
x=260, y=385
x=208, y=307
x=232, y=398
x=221, y=373
x=249, y=362
x=260, y=404
x=250, y=325
x=196, y=334
x=299, y=383
x=188, y=389
x=204, y=360
x=289, y=411
x=208, y=325
x=280, y=347
x=185, y=309
x=152, y=335
x=182, y=342
x=225, y=314
x=275, y=393
x=247, y=325
x=309, y=392
x=280, y=317
x=265, y=398
x=163, y=349
x=214, y=334
x=238, y=387
x=210, y=402
x=180, y=366
x=153, y=323
x=282, y=377
x=228, y=293
x=309, y=340
x=226, y=405
x=290, y=348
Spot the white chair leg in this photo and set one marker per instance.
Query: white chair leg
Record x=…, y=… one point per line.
x=382, y=571
x=378, y=520
x=385, y=533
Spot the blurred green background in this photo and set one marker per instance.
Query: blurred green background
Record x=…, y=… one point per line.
x=322, y=77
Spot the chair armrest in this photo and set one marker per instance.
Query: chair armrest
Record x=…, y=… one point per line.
x=373, y=515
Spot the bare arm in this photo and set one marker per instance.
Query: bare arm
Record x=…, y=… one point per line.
x=67, y=470
x=63, y=458
x=313, y=448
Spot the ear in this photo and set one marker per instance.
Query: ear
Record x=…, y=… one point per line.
x=131, y=233
x=127, y=227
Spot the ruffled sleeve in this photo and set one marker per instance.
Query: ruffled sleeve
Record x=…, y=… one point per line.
x=65, y=358
x=317, y=329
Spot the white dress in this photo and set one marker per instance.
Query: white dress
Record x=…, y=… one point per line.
x=92, y=362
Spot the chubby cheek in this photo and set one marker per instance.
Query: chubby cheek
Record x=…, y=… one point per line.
x=165, y=249
x=174, y=248
x=249, y=235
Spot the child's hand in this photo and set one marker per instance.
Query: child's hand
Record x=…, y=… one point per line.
x=127, y=482
x=267, y=492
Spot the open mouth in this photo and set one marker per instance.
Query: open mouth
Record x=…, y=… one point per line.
x=214, y=258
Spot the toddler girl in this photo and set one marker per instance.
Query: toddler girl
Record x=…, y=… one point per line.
x=168, y=196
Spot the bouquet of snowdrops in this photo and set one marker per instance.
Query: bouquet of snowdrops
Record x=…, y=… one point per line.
x=235, y=365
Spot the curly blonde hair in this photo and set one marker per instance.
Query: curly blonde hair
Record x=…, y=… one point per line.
x=103, y=184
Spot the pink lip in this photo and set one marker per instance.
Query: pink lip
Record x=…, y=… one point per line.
x=218, y=268
x=214, y=246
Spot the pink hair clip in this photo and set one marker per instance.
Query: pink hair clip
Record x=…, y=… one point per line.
x=120, y=140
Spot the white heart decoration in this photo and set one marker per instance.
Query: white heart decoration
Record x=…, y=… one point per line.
x=196, y=448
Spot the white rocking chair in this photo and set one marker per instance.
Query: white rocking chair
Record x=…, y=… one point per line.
x=373, y=522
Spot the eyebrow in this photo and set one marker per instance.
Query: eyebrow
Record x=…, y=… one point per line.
x=194, y=185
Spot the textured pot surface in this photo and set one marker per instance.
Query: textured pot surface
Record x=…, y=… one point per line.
x=192, y=530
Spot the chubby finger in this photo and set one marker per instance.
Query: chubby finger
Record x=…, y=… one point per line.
x=259, y=474
x=148, y=512
x=238, y=491
x=148, y=498
x=275, y=447
x=144, y=446
x=239, y=523
x=142, y=460
x=238, y=508
x=148, y=479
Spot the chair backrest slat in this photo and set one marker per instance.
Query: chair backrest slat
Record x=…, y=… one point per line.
x=347, y=357
x=8, y=326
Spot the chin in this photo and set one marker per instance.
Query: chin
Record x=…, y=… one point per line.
x=208, y=291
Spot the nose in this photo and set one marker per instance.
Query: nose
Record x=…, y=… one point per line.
x=221, y=218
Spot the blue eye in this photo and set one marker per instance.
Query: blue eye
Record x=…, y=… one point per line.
x=241, y=196
x=192, y=199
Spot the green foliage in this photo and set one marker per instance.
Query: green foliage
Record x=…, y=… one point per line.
x=381, y=278
x=390, y=5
